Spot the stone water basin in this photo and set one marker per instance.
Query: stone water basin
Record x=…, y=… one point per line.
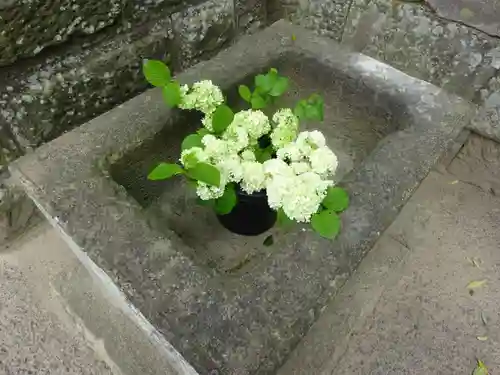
x=228, y=303
x=353, y=126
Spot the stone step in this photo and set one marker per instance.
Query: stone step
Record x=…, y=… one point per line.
x=59, y=318
x=407, y=308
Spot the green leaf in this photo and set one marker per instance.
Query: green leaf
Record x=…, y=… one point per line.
x=476, y=284
x=203, y=132
x=164, y=171
x=336, y=199
x=326, y=223
x=263, y=155
x=279, y=87
x=258, y=102
x=192, y=140
x=156, y=73
x=226, y=203
x=265, y=82
x=480, y=369
x=222, y=118
x=315, y=108
x=206, y=173
x=283, y=219
x=245, y=93
x=299, y=110
x=172, y=94
x=269, y=240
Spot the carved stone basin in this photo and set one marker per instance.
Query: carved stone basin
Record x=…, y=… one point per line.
x=228, y=303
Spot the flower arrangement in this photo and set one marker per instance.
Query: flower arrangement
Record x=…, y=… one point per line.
x=252, y=151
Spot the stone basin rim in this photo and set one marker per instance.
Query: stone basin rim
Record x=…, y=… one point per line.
x=65, y=178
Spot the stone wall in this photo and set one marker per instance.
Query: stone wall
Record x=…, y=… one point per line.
x=63, y=62
x=454, y=44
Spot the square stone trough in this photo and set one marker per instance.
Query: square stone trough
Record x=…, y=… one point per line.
x=229, y=304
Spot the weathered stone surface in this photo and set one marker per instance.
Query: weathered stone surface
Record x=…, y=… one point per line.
x=27, y=27
x=487, y=121
x=245, y=324
x=63, y=92
x=413, y=39
x=282, y=9
x=407, y=309
x=478, y=163
x=250, y=15
x=86, y=318
x=38, y=335
x=201, y=30
x=18, y=211
x=325, y=17
x=483, y=15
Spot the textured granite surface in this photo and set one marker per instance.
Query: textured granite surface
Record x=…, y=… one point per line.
x=412, y=38
x=83, y=58
x=483, y=15
x=249, y=323
x=407, y=310
x=29, y=27
x=327, y=18
x=202, y=29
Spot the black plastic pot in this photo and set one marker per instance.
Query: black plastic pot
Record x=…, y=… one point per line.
x=251, y=216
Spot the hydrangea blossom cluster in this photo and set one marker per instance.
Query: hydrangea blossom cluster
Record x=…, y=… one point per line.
x=296, y=180
x=203, y=96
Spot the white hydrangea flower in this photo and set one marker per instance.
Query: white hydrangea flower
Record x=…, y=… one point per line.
x=274, y=168
x=207, y=122
x=184, y=91
x=300, y=167
x=308, y=141
x=254, y=178
x=203, y=96
x=216, y=149
x=256, y=123
x=282, y=136
x=303, y=197
x=231, y=169
x=285, y=118
x=248, y=155
x=276, y=190
x=192, y=156
x=323, y=161
x=299, y=196
x=291, y=152
x=314, y=180
x=207, y=192
x=237, y=136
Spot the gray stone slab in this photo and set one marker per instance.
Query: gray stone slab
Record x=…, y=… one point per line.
x=37, y=335
x=478, y=163
x=418, y=316
x=250, y=15
x=328, y=339
x=49, y=98
x=487, y=121
x=28, y=27
x=202, y=29
x=87, y=321
x=483, y=15
x=245, y=323
x=412, y=38
x=327, y=18
x=19, y=212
